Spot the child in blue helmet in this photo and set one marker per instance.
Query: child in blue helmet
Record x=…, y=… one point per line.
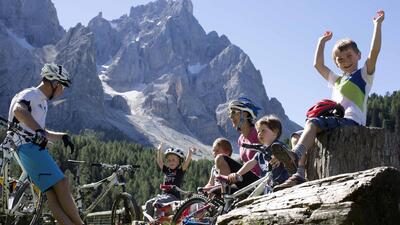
x=174, y=172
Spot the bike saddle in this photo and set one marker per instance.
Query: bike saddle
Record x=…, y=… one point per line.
x=75, y=162
x=166, y=187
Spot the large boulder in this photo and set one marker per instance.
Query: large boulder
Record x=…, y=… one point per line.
x=369, y=197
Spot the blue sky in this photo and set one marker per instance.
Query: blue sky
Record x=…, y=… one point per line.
x=280, y=37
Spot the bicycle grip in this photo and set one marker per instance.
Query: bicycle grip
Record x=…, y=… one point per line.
x=97, y=164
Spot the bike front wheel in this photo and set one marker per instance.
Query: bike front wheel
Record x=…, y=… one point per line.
x=124, y=210
x=197, y=209
x=26, y=206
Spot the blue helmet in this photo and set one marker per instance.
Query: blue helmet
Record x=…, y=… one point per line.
x=246, y=105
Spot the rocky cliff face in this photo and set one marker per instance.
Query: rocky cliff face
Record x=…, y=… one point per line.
x=34, y=20
x=154, y=74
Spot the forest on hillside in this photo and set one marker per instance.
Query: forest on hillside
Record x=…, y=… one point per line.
x=143, y=184
x=384, y=111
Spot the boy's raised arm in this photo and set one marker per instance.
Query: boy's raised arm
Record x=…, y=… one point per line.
x=188, y=158
x=319, y=63
x=160, y=156
x=376, y=42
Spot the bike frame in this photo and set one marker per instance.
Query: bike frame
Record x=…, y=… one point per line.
x=110, y=182
x=9, y=153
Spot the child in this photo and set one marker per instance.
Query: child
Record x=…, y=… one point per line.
x=350, y=90
x=173, y=175
x=221, y=146
x=269, y=129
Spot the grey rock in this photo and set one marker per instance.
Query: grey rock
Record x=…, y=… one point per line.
x=19, y=67
x=351, y=149
x=119, y=102
x=82, y=105
x=34, y=20
x=368, y=197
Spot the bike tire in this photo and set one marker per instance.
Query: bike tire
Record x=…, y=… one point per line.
x=124, y=210
x=31, y=218
x=187, y=208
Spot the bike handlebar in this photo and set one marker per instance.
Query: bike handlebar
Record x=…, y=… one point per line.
x=12, y=126
x=260, y=148
x=115, y=166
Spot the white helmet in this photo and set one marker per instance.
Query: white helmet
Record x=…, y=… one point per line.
x=52, y=71
x=176, y=151
x=246, y=105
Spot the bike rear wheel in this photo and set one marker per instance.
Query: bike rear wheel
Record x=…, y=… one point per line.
x=27, y=206
x=197, y=209
x=124, y=210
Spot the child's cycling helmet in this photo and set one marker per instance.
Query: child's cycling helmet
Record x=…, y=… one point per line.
x=176, y=151
x=52, y=71
x=245, y=104
x=324, y=108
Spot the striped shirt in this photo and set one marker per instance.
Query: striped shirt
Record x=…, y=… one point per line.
x=351, y=91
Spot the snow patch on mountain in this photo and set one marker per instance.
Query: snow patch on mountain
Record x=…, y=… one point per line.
x=21, y=41
x=196, y=68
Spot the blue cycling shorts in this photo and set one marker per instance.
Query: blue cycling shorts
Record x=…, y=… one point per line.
x=40, y=166
x=331, y=122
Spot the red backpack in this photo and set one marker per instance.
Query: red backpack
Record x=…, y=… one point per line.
x=324, y=108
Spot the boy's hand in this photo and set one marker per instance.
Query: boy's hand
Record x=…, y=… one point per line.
x=160, y=146
x=232, y=178
x=192, y=150
x=68, y=142
x=326, y=37
x=380, y=16
x=274, y=162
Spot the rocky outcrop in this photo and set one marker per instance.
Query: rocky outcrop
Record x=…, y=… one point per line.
x=82, y=105
x=19, y=67
x=351, y=149
x=33, y=20
x=364, y=198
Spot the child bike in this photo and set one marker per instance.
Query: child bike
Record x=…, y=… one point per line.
x=164, y=212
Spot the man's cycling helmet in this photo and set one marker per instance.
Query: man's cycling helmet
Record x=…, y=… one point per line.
x=52, y=72
x=245, y=104
x=176, y=151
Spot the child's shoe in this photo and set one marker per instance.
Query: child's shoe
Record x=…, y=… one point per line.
x=294, y=180
x=286, y=156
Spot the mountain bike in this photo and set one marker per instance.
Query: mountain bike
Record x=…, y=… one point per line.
x=124, y=208
x=203, y=209
x=21, y=201
x=163, y=213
